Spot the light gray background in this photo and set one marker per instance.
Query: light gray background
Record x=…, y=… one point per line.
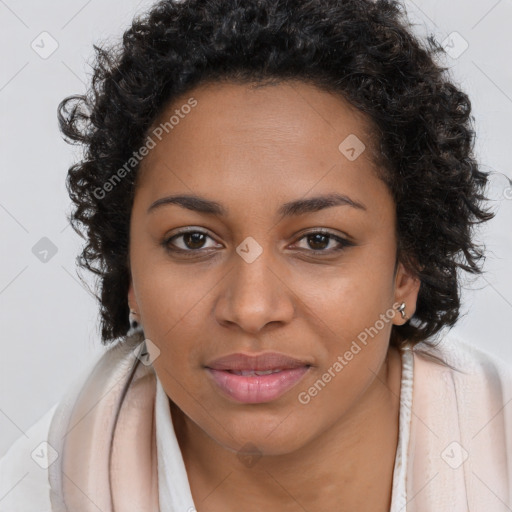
x=49, y=319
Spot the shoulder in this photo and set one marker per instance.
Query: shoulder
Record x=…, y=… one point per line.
x=25, y=469
x=467, y=361
x=473, y=382
x=24, y=482
x=461, y=429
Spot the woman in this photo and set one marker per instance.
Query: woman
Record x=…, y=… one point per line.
x=279, y=197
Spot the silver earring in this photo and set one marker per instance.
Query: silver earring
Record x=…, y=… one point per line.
x=401, y=309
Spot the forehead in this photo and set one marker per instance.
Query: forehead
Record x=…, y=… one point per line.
x=280, y=140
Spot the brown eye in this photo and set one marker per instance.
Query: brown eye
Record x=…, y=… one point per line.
x=318, y=241
x=194, y=240
x=190, y=241
x=325, y=242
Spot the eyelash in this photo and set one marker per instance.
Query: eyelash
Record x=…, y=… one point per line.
x=344, y=243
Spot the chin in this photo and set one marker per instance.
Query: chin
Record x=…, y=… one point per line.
x=250, y=441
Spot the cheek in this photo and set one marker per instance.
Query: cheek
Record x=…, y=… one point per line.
x=352, y=316
x=354, y=331
x=170, y=294
x=349, y=297
x=170, y=320
x=340, y=385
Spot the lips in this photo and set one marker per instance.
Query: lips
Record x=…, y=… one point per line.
x=256, y=378
x=261, y=362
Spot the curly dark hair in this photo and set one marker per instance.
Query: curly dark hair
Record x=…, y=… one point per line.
x=363, y=50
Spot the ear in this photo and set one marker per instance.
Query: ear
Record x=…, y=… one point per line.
x=407, y=286
x=132, y=301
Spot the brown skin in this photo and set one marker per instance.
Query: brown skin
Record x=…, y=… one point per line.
x=251, y=150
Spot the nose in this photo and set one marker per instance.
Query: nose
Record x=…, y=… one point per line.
x=255, y=294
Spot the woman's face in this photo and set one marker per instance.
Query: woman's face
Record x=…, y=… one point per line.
x=265, y=170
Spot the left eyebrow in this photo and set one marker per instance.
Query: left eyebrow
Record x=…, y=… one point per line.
x=292, y=208
x=315, y=204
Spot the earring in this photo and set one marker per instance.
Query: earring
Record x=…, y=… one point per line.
x=133, y=319
x=134, y=323
x=401, y=309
